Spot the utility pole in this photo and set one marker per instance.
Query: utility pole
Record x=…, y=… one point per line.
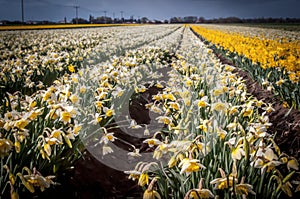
x=76, y=9
x=122, y=15
x=105, y=16
x=22, y=10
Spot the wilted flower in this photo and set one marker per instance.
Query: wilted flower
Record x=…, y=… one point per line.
x=224, y=182
x=199, y=193
x=5, y=146
x=243, y=188
x=150, y=193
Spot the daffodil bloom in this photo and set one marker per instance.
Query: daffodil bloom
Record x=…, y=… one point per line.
x=32, y=104
x=243, y=188
x=164, y=119
x=21, y=124
x=5, y=147
x=224, y=182
x=159, y=85
x=118, y=92
x=140, y=90
x=204, y=148
x=106, y=149
x=237, y=153
x=293, y=164
x=102, y=95
x=174, y=105
x=199, y=193
x=53, y=114
x=203, y=102
x=221, y=133
x=156, y=109
x=247, y=112
x=135, y=153
x=71, y=68
x=188, y=82
x=76, y=129
x=258, y=130
x=269, y=108
x=217, y=92
x=47, y=149
x=82, y=89
x=108, y=137
x=232, y=126
x=150, y=193
x=266, y=160
x=160, y=150
x=134, y=125
x=172, y=162
x=65, y=116
x=190, y=165
x=205, y=126
x=280, y=82
x=220, y=106
x=55, y=138
x=134, y=175
x=157, y=97
x=98, y=119
x=169, y=96
x=74, y=99
x=35, y=113
x=152, y=142
x=99, y=104
x=47, y=95
x=109, y=112
x=143, y=179
x=74, y=78
x=37, y=180
x=146, y=131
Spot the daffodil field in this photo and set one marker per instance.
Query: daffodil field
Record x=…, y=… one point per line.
x=271, y=57
x=64, y=92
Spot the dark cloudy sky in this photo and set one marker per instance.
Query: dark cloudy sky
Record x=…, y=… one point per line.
x=56, y=10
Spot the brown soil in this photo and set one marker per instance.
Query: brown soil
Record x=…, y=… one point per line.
x=91, y=179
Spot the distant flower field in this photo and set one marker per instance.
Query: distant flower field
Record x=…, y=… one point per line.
x=67, y=91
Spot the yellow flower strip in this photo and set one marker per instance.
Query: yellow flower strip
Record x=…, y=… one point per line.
x=269, y=53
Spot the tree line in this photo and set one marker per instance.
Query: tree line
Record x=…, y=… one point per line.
x=143, y=20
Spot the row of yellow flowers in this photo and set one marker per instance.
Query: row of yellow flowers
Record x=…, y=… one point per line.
x=281, y=54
